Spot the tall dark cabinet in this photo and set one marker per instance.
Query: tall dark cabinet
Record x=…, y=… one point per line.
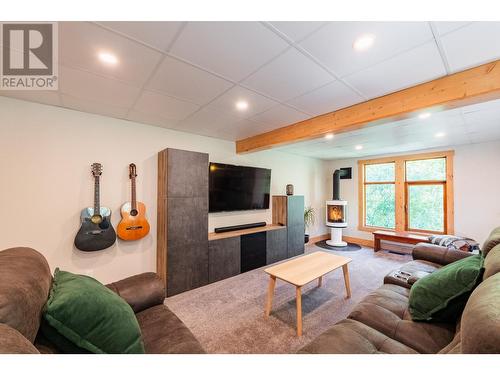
x=182, y=253
x=289, y=210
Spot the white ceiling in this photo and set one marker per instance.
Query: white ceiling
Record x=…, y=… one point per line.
x=189, y=75
x=472, y=124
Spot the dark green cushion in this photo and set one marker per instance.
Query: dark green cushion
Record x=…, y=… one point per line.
x=82, y=315
x=442, y=295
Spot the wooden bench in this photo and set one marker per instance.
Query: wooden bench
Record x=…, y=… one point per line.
x=401, y=237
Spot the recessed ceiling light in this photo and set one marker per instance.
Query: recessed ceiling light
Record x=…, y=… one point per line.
x=359, y=147
x=241, y=105
x=329, y=136
x=108, y=58
x=439, y=135
x=424, y=115
x=363, y=42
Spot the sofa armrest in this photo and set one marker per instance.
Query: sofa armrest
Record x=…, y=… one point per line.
x=140, y=291
x=437, y=254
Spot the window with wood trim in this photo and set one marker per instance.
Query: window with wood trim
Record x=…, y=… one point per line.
x=411, y=193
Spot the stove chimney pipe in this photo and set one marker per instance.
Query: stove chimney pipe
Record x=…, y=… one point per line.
x=336, y=185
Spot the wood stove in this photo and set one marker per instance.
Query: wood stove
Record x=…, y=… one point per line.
x=336, y=214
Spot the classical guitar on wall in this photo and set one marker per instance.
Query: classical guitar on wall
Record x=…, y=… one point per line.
x=96, y=231
x=134, y=224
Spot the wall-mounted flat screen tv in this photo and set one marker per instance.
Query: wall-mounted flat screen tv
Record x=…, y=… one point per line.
x=237, y=188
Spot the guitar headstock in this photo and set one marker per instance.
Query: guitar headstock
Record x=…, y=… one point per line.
x=96, y=169
x=132, y=171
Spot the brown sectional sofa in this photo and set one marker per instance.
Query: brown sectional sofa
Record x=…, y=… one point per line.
x=25, y=282
x=381, y=322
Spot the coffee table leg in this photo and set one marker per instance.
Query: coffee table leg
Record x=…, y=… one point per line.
x=346, y=280
x=270, y=293
x=299, y=311
x=320, y=281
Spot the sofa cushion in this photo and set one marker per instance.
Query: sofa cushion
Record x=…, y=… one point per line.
x=492, y=262
x=12, y=342
x=81, y=313
x=386, y=310
x=164, y=333
x=441, y=296
x=492, y=241
x=25, y=281
x=352, y=337
x=480, y=329
x=454, y=347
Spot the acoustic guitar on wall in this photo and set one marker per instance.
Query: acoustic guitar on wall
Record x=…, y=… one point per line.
x=134, y=224
x=96, y=231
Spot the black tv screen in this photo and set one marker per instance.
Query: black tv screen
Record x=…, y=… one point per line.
x=236, y=188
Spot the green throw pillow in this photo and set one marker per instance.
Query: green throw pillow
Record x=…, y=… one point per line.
x=442, y=295
x=82, y=315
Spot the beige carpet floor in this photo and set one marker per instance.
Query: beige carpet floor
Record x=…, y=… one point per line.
x=228, y=316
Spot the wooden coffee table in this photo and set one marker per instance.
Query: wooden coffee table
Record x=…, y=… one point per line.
x=301, y=271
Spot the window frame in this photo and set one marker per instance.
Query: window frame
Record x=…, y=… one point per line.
x=401, y=191
x=365, y=183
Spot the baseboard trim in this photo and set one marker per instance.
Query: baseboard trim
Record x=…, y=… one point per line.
x=359, y=241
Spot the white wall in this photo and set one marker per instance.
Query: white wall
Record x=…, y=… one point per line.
x=476, y=190
x=45, y=181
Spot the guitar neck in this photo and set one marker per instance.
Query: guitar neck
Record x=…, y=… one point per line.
x=134, y=197
x=97, y=203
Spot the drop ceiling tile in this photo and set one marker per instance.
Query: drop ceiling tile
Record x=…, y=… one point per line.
x=87, y=86
x=489, y=117
x=288, y=76
x=297, y=30
x=484, y=106
x=416, y=66
x=328, y=98
x=256, y=103
x=279, y=116
x=332, y=44
x=239, y=130
x=150, y=119
x=472, y=45
x=207, y=121
x=43, y=97
x=231, y=49
x=91, y=106
x=155, y=34
x=81, y=42
x=447, y=27
x=184, y=81
x=164, y=106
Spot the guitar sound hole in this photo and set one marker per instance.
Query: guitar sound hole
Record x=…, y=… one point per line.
x=96, y=219
x=134, y=212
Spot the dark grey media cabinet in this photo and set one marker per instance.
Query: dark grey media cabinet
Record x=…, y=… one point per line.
x=187, y=257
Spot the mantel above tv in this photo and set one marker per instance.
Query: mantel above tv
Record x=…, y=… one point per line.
x=238, y=188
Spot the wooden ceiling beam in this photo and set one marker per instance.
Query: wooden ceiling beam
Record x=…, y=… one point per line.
x=478, y=84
